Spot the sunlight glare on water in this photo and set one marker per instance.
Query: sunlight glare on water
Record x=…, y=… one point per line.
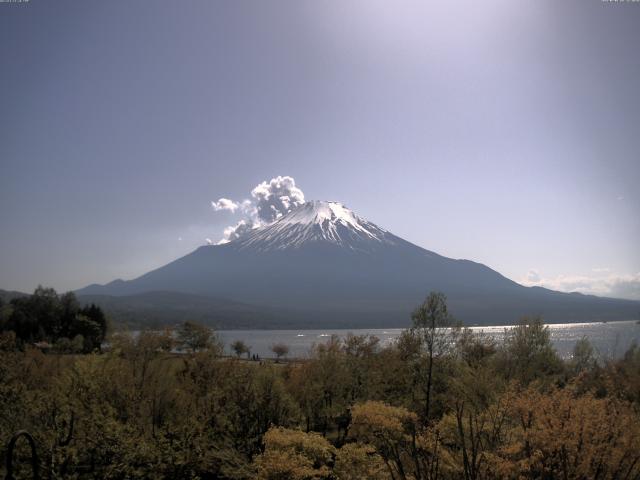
x=610, y=339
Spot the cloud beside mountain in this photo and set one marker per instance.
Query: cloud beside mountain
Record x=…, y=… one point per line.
x=269, y=201
x=600, y=282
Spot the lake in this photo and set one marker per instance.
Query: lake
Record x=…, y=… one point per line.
x=609, y=339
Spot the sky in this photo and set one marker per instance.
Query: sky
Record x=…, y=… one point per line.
x=505, y=132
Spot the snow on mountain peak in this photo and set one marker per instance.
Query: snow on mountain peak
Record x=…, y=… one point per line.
x=316, y=222
x=318, y=212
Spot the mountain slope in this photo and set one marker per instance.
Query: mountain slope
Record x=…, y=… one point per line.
x=329, y=265
x=8, y=295
x=161, y=308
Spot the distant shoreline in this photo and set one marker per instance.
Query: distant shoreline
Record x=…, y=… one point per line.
x=473, y=327
x=610, y=339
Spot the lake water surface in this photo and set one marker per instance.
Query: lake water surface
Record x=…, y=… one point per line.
x=610, y=339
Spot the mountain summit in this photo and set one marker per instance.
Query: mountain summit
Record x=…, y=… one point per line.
x=321, y=265
x=317, y=223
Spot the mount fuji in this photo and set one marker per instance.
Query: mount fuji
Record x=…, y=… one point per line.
x=321, y=265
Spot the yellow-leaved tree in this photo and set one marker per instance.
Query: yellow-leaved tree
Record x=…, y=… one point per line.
x=294, y=455
x=560, y=435
x=408, y=450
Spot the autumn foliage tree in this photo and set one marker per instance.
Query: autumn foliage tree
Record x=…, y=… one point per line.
x=294, y=455
x=280, y=349
x=561, y=435
x=408, y=450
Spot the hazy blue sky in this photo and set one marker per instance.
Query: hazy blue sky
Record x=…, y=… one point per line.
x=506, y=132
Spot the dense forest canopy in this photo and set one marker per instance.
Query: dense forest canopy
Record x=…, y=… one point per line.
x=57, y=320
x=436, y=404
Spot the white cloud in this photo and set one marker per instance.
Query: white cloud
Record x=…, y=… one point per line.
x=533, y=276
x=236, y=231
x=269, y=201
x=275, y=198
x=602, y=283
x=626, y=287
x=225, y=204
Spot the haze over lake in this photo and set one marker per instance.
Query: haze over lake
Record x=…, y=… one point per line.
x=609, y=340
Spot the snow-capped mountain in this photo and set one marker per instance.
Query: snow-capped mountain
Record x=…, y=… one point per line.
x=317, y=223
x=322, y=265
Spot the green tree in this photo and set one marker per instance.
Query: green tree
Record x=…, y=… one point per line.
x=78, y=344
x=433, y=325
x=69, y=309
x=96, y=315
x=47, y=316
x=5, y=315
x=583, y=357
x=3, y=318
x=239, y=347
x=36, y=317
x=83, y=326
x=194, y=337
x=527, y=353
